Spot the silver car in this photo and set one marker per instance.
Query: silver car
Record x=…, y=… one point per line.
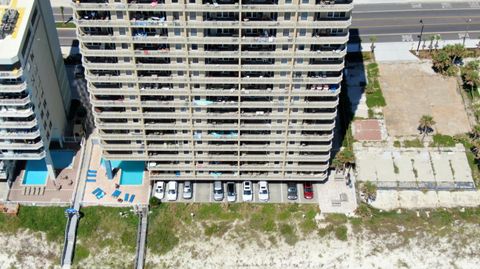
x=217, y=191
x=187, y=190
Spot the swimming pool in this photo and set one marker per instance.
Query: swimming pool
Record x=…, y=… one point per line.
x=131, y=171
x=35, y=172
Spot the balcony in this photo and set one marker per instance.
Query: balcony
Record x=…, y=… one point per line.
x=17, y=124
x=14, y=88
x=16, y=73
x=22, y=156
x=13, y=112
x=21, y=146
x=14, y=101
x=19, y=134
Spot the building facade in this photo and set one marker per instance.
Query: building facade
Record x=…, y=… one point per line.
x=216, y=89
x=34, y=90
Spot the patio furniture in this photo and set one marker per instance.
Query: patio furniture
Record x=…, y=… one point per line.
x=116, y=193
x=100, y=195
x=94, y=192
x=91, y=180
x=132, y=198
x=92, y=171
x=125, y=198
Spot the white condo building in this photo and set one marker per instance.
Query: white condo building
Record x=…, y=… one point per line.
x=216, y=89
x=34, y=90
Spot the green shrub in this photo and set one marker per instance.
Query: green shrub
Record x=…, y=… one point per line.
x=341, y=232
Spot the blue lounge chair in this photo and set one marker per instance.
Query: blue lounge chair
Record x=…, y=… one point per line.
x=100, y=195
x=132, y=197
x=94, y=192
x=91, y=180
x=125, y=198
x=92, y=171
x=116, y=193
x=91, y=175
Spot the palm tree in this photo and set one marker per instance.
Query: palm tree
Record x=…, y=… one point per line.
x=373, y=39
x=62, y=10
x=475, y=134
x=472, y=79
x=425, y=125
x=437, y=38
x=430, y=47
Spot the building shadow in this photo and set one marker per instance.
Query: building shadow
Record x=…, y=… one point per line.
x=352, y=90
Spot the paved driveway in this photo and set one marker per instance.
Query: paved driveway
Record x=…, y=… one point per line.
x=203, y=193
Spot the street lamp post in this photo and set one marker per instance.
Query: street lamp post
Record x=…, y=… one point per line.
x=466, y=30
x=420, y=36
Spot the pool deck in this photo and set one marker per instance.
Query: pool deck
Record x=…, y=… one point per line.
x=48, y=193
x=141, y=191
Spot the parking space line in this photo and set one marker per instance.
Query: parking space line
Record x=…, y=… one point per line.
x=194, y=190
x=281, y=192
x=210, y=193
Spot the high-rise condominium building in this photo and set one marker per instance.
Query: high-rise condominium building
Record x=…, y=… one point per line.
x=216, y=89
x=34, y=90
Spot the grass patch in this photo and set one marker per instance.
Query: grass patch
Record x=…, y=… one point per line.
x=49, y=220
x=65, y=25
x=341, y=232
x=397, y=144
x=102, y=227
x=414, y=143
x=440, y=140
x=288, y=233
x=374, y=92
x=81, y=253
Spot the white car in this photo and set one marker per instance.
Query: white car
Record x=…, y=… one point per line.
x=187, y=190
x=159, y=190
x=263, y=191
x=247, y=191
x=172, y=191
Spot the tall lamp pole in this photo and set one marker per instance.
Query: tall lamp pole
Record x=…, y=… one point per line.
x=420, y=36
x=466, y=30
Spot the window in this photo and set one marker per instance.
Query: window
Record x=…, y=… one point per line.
x=34, y=16
x=194, y=47
x=193, y=32
x=303, y=16
x=288, y=1
x=286, y=32
x=287, y=16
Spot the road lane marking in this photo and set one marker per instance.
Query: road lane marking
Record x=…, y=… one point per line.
x=407, y=38
x=413, y=10
x=446, y=5
x=416, y=5
x=474, y=4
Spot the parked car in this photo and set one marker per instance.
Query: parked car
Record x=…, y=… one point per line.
x=172, y=191
x=231, y=192
x=247, y=191
x=159, y=190
x=308, y=190
x=263, y=191
x=292, y=192
x=187, y=190
x=217, y=191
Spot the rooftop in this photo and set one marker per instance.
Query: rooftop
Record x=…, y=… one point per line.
x=12, y=43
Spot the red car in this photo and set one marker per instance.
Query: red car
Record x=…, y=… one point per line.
x=308, y=190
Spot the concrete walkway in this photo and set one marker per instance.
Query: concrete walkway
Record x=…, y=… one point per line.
x=400, y=51
x=141, y=238
x=71, y=232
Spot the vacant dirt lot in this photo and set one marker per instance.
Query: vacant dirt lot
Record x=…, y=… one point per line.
x=412, y=90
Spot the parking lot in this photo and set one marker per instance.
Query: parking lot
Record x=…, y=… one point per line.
x=203, y=193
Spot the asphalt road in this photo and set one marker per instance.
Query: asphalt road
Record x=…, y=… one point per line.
x=387, y=22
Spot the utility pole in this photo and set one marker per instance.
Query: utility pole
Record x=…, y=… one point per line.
x=420, y=36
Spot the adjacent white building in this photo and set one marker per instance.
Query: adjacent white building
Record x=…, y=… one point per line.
x=34, y=89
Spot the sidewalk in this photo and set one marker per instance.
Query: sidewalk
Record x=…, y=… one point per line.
x=362, y=2
x=60, y=3
x=400, y=51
